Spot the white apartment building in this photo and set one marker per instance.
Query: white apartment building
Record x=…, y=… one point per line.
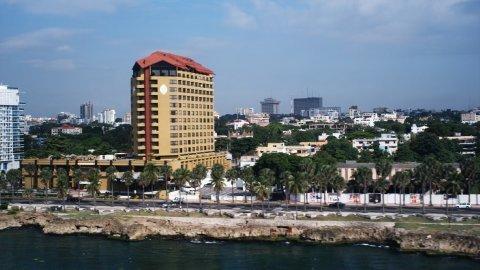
x=467, y=143
x=108, y=116
x=353, y=112
x=387, y=142
x=418, y=129
x=471, y=117
x=11, y=125
x=248, y=160
x=367, y=119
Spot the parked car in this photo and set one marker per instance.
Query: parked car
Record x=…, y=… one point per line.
x=337, y=205
x=463, y=205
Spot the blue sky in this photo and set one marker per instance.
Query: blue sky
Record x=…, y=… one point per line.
x=401, y=54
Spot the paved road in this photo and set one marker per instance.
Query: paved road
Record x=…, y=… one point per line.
x=257, y=206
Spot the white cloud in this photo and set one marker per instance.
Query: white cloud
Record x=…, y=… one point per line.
x=46, y=37
x=69, y=7
x=361, y=20
x=55, y=64
x=239, y=18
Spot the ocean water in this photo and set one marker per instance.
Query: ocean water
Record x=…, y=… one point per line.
x=29, y=248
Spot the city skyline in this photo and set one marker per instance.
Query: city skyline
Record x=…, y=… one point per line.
x=424, y=58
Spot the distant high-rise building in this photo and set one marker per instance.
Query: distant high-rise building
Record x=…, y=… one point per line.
x=353, y=112
x=301, y=106
x=11, y=126
x=270, y=106
x=108, y=116
x=86, y=112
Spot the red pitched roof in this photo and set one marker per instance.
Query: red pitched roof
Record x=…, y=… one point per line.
x=181, y=62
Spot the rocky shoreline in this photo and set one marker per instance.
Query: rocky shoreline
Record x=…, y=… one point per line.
x=324, y=232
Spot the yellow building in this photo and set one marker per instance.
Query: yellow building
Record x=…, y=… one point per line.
x=172, y=118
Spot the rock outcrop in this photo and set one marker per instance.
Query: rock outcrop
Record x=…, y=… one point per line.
x=330, y=232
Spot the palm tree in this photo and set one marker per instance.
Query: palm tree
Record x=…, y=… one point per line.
x=262, y=189
x=267, y=177
x=421, y=176
x=232, y=175
x=46, y=175
x=62, y=184
x=217, y=174
x=434, y=169
x=111, y=177
x=363, y=175
x=166, y=171
x=338, y=184
x=401, y=180
x=382, y=186
x=94, y=185
x=296, y=186
x=307, y=166
x=285, y=177
x=78, y=176
x=383, y=168
x=148, y=176
x=31, y=169
x=128, y=180
x=180, y=177
x=3, y=184
x=199, y=173
x=470, y=170
x=248, y=178
x=452, y=186
x=324, y=175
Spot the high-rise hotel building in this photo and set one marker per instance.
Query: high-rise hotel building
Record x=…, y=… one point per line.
x=172, y=108
x=11, y=126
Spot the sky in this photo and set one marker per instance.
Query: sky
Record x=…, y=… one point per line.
x=370, y=53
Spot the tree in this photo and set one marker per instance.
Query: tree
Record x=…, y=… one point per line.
x=285, y=178
x=148, y=176
x=217, y=174
x=338, y=184
x=296, y=186
x=199, y=173
x=180, y=177
x=382, y=186
x=248, y=178
x=231, y=175
x=434, y=173
x=14, y=178
x=307, y=167
x=111, y=177
x=78, y=176
x=31, y=169
x=3, y=184
x=94, y=184
x=452, y=186
x=383, y=168
x=28, y=193
x=46, y=175
x=322, y=178
x=262, y=189
x=266, y=177
x=62, y=185
x=363, y=175
x=421, y=175
x=470, y=170
x=128, y=180
x=166, y=171
x=401, y=180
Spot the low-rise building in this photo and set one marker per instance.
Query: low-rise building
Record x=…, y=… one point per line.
x=387, y=142
x=248, y=160
x=415, y=129
x=468, y=144
x=238, y=123
x=367, y=119
x=66, y=129
x=471, y=117
x=302, y=150
x=260, y=119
